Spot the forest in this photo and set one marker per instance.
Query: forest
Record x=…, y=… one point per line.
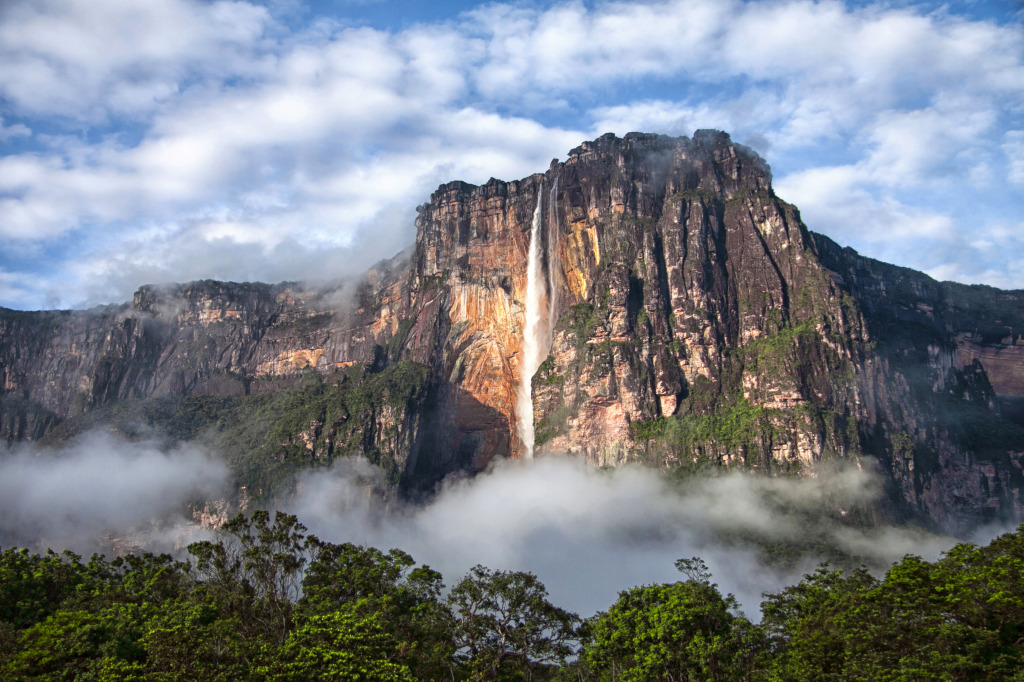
x=266, y=600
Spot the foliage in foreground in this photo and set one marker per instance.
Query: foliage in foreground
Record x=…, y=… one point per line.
x=267, y=601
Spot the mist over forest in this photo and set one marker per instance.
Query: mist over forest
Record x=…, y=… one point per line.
x=586, y=533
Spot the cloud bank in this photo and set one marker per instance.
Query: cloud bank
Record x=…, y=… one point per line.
x=586, y=533
x=589, y=534
x=158, y=140
x=100, y=492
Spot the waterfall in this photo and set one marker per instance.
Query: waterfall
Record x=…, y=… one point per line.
x=553, y=233
x=535, y=333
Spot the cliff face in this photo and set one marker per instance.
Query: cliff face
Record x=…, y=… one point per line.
x=941, y=391
x=664, y=256
x=687, y=316
x=202, y=338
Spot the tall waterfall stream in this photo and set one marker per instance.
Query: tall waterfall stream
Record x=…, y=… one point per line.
x=539, y=319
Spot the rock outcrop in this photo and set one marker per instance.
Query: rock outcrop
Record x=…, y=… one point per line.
x=693, y=321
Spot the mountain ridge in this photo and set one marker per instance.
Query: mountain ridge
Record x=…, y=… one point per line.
x=694, y=320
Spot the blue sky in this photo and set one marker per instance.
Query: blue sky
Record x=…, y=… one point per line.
x=168, y=140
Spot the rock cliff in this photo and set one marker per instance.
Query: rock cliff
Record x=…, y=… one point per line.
x=688, y=317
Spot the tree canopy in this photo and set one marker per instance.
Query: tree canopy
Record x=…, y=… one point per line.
x=268, y=601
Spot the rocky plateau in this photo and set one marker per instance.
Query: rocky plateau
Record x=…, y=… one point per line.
x=690, y=320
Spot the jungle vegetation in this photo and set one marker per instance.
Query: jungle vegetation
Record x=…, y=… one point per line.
x=266, y=600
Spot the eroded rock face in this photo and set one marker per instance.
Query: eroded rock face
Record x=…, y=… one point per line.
x=469, y=273
x=695, y=321
x=699, y=321
x=692, y=258
x=929, y=407
x=204, y=337
x=1003, y=361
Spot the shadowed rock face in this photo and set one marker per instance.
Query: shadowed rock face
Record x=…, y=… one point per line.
x=696, y=320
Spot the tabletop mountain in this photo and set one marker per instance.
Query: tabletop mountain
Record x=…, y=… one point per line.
x=650, y=299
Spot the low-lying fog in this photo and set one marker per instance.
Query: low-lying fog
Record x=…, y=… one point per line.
x=587, y=534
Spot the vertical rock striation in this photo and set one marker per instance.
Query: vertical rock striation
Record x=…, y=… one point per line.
x=699, y=322
x=691, y=320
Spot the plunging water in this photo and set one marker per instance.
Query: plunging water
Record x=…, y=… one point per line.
x=553, y=233
x=535, y=333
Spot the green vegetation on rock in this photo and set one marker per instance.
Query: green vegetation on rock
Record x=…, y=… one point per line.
x=267, y=437
x=739, y=427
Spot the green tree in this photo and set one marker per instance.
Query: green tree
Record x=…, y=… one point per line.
x=983, y=605
x=346, y=644
x=677, y=631
x=406, y=598
x=33, y=586
x=799, y=622
x=506, y=627
x=153, y=579
x=190, y=639
x=256, y=573
x=961, y=618
x=76, y=645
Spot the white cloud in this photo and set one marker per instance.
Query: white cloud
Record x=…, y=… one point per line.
x=100, y=485
x=836, y=202
x=8, y=132
x=568, y=47
x=15, y=286
x=1013, y=148
x=944, y=142
x=588, y=534
x=91, y=59
x=839, y=198
x=669, y=118
x=875, y=56
x=252, y=137
x=993, y=255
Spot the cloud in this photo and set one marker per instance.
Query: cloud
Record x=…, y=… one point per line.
x=588, y=534
x=342, y=137
x=992, y=255
x=837, y=201
x=947, y=172
x=91, y=60
x=100, y=487
x=237, y=130
x=874, y=56
x=837, y=197
x=669, y=118
x=1013, y=148
x=16, y=286
x=945, y=142
x=8, y=132
x=745, y=118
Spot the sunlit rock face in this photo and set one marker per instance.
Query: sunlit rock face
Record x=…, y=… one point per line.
x=665, y=255
x=682, y=256
x=687, y=317
x=206, y=337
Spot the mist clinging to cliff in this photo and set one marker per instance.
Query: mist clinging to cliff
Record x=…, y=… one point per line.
x=589, y=534
x=98, y=488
